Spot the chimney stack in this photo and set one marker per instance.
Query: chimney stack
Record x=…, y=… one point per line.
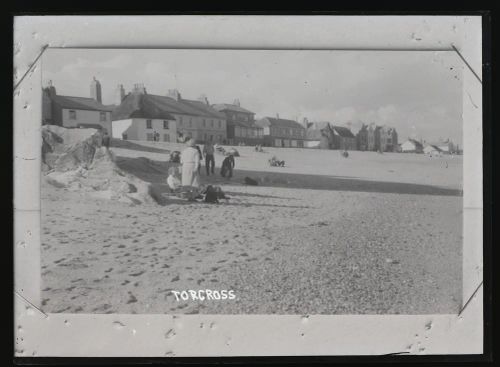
x=139, y=88
x=95, y=90
x=203, y=98
x=277, y=115
x=174, y=93
x=236, y=102
x=305, y=121
x=120, y=94
x=51, y=89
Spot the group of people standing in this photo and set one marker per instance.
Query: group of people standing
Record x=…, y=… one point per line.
x=191, y=158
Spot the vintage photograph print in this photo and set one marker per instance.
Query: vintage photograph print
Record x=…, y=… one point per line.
x=251, y=182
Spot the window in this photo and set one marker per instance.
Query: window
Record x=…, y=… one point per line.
x=150, y=137
x=165, y=124
x=220, y=124
x=211, y=123
x=180, y=120
x=191, y=122
x=72, y=114
x=166, y=137
x=124, y=136
x=102, y=116
x=149, y=125
x=204, y=123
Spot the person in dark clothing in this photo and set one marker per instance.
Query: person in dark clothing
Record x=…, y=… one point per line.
x=209, y=150
x=106, y=140
x=227, y=166
x=201, y=158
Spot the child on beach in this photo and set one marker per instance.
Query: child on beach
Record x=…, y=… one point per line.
x=227, y=166
x=173, y=181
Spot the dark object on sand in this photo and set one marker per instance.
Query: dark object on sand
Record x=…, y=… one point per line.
x=227, y=166
x=345, y=154
x=175, y=156
x=213, y=194
x=275, y=162
x=251, y=181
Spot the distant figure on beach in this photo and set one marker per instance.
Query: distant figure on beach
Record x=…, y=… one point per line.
x=345, y=154
x=227, y=166
x=106, y=139
x=190, y=160
x=173, y=181
x=275, y=162
x=201, y=157
x=208, y=151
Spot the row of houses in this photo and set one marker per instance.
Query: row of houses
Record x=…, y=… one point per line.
x=139, y=115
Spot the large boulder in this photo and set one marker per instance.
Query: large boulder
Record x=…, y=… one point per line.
x=74, y=160
x=68, y=149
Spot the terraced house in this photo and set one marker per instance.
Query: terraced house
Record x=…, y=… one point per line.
x=140, y=115
x=241, y=127
x=74, y=112
x=278, y=132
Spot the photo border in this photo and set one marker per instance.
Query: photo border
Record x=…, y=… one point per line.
x=26, y=235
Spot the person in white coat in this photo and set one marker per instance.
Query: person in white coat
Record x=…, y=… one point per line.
x=190, y=160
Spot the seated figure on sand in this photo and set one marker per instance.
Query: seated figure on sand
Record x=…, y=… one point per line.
x=275, y=162
x=227, y=166
x=173, y=180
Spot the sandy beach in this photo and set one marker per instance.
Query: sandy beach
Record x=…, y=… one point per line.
x=370, y=234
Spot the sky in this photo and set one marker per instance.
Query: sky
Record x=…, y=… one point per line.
x=417, y=92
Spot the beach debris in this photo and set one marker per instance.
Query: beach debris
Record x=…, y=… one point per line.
x=391, y=261
x=250, y=181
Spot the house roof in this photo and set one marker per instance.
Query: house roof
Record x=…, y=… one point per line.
x=281, y=123
x=415, y=142
x=343, y=131
x=161, y=107
x=432, y=146
x=231, y=107
x=318, y=125
x=79, y=103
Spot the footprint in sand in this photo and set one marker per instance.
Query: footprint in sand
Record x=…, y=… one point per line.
x=131, y=298
x=125, y=282
x=244, y=254
x=58, y=261
x=137, y=274
x=214, y=268
x=107, y=271
x=175, y=279
x=165, y=266
x=221, y=261
x=199, y=281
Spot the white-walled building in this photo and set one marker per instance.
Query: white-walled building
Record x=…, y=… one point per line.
x=74, y=112
x=412, y=146
x=138, y=118
x=184, y=118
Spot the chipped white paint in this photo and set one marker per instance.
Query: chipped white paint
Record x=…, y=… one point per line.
x=217, y=335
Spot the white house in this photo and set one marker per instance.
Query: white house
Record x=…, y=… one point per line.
x=74, y=112
x=432, y=150
x=412, y=146
x=171, y=116
x=137, y=119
